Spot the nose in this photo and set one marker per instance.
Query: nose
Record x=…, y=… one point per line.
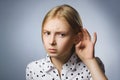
x=52, y=40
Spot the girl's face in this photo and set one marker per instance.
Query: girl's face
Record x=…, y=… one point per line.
x=58, y=37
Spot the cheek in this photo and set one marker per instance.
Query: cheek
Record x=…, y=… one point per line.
x=65, y=44
x=45, y=41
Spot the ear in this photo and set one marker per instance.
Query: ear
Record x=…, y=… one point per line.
x=78, y=38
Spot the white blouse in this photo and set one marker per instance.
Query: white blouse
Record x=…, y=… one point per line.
x=43, y=69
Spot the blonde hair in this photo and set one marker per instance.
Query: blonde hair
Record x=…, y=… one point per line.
x=68, y=13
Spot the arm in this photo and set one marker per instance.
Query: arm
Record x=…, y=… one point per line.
x=85, y=51
x=95, y=69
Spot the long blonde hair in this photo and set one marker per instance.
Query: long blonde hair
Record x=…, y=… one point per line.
x=68, y=13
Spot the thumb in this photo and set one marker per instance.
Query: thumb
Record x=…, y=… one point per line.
x=95, y=38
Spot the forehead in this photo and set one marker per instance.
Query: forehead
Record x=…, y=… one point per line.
x=58, y=24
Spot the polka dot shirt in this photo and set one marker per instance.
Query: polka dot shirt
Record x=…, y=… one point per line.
x=43, y=69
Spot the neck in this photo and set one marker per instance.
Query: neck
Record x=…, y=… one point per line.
x=60, y=61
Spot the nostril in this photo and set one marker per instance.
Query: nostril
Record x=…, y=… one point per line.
x=53, y=43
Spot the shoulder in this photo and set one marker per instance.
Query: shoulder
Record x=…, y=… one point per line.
x=99, y=61
x=33, y=68
x=35, y=64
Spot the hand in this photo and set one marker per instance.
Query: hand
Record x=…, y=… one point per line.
x=85, y=48
x=85, y=51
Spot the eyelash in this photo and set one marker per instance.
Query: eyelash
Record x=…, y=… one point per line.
x=46, y=33
x=59, y=34
x=62, y=34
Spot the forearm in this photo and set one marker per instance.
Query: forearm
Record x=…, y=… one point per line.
x=94, y=67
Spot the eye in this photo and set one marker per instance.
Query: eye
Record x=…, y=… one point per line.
x=46, y=33
x=62, y=34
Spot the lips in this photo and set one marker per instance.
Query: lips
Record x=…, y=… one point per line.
x=51, y=50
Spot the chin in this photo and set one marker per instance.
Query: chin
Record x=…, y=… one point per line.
x=53, y=55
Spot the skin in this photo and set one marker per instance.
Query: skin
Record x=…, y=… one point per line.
x=58, y=39
x=85, y=51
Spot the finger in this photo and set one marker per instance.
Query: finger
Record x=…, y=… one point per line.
x=84, y=34
x=87, y=34
x=78, y=45
x=95, y=38
x=80, y=36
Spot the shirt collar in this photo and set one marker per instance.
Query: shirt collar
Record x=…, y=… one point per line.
x=70, y=64
x=48, y=64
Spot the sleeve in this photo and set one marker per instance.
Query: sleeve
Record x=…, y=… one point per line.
x=29, y=72
x=100, y=64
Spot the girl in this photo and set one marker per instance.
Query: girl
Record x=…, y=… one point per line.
x=70, y=50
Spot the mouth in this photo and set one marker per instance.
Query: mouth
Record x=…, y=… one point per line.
x=52, y=50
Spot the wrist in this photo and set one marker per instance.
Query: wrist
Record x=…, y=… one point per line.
x=95, y=69
x=90, y=62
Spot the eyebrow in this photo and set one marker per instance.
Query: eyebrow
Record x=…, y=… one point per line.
x=59, y=31
x=45, y=30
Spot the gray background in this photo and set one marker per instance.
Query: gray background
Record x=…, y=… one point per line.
x=20, y=28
